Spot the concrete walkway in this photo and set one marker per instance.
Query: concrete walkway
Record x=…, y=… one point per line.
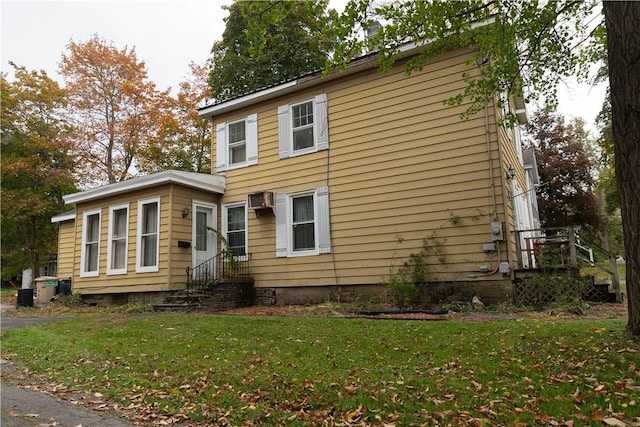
x=21, y=407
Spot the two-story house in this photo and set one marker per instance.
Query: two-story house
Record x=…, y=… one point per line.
x=324, y=183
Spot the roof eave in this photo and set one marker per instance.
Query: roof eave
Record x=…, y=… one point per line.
x=212, y=183
x=63, y=217
x=310, y=80
x=358, y=64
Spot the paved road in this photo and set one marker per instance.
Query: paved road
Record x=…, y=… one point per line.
x=22, y=407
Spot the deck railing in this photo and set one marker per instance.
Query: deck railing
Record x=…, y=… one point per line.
x=563, y=248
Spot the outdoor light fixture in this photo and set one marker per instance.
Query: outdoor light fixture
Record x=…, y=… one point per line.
x=185, y=212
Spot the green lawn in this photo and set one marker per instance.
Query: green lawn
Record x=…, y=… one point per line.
x=230, y=370
x=8, y=292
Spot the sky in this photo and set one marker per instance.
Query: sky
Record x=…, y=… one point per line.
x=167, y=35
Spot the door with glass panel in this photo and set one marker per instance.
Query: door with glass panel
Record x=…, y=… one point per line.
x=204, y=238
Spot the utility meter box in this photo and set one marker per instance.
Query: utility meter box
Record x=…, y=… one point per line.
x=497, y=231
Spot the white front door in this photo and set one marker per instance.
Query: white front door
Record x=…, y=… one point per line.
x=204, y=238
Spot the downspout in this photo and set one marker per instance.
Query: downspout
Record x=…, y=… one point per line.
x=492, y=190
x=327, y=179
x=494, y=204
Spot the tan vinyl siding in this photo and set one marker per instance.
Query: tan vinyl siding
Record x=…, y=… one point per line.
x=66, y=248
x=172, y=260
x=398, y=165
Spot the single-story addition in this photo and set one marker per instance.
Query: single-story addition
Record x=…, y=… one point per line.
x=132, y=241
x=324, y=184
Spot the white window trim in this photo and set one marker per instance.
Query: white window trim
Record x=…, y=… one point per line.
x=152, y=268
x=284, y=223
x=83, y=250
x=251, y=141
x=320, y=127
x=518, y=142
x=114, y=271
x=225, y=227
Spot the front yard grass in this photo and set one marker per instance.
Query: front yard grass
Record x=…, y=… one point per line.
x=202, y=369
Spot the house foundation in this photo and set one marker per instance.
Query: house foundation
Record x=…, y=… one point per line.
x=101, y=300
x=490, y=292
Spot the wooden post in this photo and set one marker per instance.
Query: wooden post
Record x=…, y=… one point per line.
x=572, y=247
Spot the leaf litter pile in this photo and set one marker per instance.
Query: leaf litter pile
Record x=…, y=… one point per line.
x=213, y=370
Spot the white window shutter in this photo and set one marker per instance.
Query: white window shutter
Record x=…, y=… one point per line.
x=221, y=147
x=281, y=225
x=284, y=131
x=252, y=139
x=324, y=222
x=321, y=123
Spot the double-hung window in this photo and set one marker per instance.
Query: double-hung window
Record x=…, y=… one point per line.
x=118, y=236
x=303, y=127
x=237, y=143
x=90, y=253
x=302, y=223
x=234, y=227
x=148, y=238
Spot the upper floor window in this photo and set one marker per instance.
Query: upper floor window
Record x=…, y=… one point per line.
x=237, y=143
x=302, y=116
x=303, y=127
x=234, y=227
x=118, y=236
x=302, y=223
x=148, y=244
x=90, y=252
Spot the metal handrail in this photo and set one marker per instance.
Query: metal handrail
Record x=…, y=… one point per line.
x=221, y=266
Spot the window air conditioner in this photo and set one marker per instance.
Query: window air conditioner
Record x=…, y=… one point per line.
x=261, y=200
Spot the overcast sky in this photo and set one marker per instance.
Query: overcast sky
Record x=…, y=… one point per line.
x=167, y=36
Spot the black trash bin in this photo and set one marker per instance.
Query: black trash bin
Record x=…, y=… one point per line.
x=64, y=287
x=25, y=298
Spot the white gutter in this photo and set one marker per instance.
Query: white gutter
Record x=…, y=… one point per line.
x=65, y=216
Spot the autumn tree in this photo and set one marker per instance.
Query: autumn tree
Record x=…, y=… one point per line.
x=530, y=46
x=293, y=41
x=37, y=168
x=112, y=105
x=183, y=139
x=567, y=169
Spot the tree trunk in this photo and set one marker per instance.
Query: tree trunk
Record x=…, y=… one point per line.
x=622, y=19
